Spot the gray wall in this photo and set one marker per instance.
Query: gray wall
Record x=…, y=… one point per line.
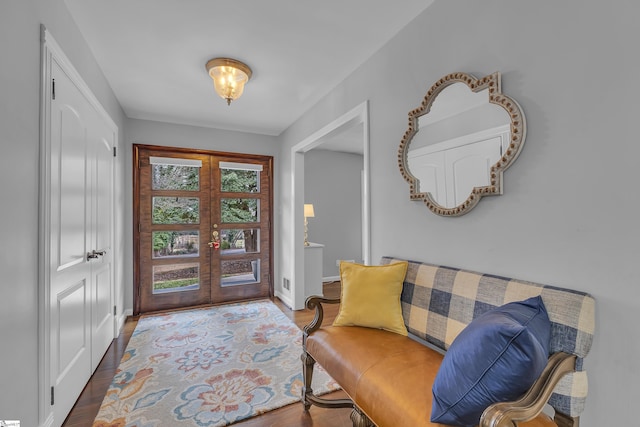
x=332, y=183
x=19, y=164
x=568, y=216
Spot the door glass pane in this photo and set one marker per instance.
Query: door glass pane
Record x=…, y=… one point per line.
x=176, y=210
x=172, y=177
x=240, y=241
x=240, y=181
x=176, y=277
x=240, y=272
x=175, y=243
x=240, y=210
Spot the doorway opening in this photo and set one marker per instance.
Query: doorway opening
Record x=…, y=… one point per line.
x=357, y=119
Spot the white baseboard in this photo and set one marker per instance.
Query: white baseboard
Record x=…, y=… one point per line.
x=122, y=319
x=285, y=299
x=331, y=279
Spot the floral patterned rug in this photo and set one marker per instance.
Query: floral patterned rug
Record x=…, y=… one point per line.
x=208, y=367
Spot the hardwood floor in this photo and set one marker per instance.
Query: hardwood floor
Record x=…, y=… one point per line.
x=88, y=404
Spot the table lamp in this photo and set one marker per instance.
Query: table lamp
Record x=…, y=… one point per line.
x=308, y=213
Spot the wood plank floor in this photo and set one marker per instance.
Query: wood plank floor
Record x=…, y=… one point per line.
x=88, y=404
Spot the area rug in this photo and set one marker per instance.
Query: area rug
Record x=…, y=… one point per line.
x=208, y=367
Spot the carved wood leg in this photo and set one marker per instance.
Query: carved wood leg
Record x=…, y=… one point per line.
x=359, y=419
x=565, y=420
x=307, y=375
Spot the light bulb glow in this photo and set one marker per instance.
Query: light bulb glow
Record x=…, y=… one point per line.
x=229, y=77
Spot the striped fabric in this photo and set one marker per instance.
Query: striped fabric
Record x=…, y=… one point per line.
x=438, y=302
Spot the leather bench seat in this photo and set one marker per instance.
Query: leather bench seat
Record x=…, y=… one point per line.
x=388, y=376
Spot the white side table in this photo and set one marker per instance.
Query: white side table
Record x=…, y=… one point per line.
x=313, y=269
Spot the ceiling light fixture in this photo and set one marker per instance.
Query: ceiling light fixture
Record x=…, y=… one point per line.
x=229, y=77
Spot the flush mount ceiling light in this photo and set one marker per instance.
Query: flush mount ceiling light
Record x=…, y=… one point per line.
x=229, y=77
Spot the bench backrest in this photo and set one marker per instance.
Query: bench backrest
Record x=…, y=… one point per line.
x=438, y=302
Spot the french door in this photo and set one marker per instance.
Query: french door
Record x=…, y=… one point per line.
x=202, y=227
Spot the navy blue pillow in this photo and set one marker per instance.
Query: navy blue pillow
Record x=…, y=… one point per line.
x=496, y=358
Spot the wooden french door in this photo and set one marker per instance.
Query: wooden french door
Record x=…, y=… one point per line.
x=202, y=227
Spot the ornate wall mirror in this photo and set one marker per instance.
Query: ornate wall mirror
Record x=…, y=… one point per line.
x=459, y=142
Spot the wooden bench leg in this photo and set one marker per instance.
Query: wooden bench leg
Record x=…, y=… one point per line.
x=565, y=420
x=307, y=373
x=308, y=398
x=359, y=419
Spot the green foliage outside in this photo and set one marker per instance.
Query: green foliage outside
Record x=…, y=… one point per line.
x=239, y=210
x=169, y=177
x=176, y=210
x=178, y=283
x=239, y=181
x=186, y=210
x=166, y=243
x=162, y=240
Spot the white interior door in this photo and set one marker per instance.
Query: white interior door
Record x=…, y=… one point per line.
x=429, y=169
x=102, y=292
x=70, y=272
x=81, y=323
x=469, y=166
x=449, y=170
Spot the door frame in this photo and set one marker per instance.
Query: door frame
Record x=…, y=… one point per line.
x=136, y=206
x=357, y=115
x=50, y=50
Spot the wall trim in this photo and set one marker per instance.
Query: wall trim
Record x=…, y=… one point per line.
x=48, y=422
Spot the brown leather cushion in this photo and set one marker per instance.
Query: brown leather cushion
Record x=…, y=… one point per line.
x=387, y=375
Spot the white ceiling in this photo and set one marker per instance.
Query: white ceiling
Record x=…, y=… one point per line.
x=153, y=53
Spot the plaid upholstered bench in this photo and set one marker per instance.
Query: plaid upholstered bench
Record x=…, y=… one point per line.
x=472, y=339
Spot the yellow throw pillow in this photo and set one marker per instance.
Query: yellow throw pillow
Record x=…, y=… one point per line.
x=370, y=296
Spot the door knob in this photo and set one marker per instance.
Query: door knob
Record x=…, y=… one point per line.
x=95, y=254
x=215, y=241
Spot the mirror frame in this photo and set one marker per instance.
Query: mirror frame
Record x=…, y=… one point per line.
x=518, y=131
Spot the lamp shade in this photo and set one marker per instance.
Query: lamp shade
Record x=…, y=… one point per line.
x=229, y=77
x=308, y=210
